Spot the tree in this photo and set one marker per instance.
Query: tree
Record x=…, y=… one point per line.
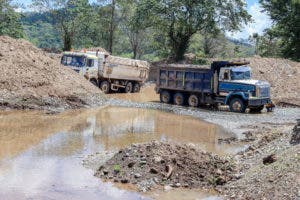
x=286, y=15
x=181, y=19
x=69, y=16
x=10, y=20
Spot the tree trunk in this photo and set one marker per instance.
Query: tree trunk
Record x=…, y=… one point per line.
x=67, y=42
x=180, y=47
x=111, y=27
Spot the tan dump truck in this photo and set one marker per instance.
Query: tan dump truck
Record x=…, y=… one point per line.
x=110, y=73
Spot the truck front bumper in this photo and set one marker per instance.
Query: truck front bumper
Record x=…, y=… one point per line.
x=259, y=102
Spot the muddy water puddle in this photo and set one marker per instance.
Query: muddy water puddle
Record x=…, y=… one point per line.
x=41, y=155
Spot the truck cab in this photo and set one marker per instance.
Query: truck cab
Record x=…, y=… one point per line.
x=241, y=91
x=85, y=64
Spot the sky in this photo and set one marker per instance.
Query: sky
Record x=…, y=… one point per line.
x=261, y=20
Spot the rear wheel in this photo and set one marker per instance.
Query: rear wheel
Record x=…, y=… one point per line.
x=165, y=97
x=128, y=87
x=179, y=99
x=193, y=101
x=136, y=88
x=237, y=105
x=256, y=109
x=105, y=87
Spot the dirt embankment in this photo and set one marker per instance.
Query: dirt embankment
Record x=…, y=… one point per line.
x=282, y=74
x=167, y=164
x=31, y=79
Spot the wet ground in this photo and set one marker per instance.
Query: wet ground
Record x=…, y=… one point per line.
x=41, y=155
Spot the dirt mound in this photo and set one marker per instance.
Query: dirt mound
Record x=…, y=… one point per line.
x=29, y=78
x=167, y=164
x=282, y=74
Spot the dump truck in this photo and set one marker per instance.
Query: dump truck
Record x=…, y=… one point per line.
x=109, y=73
x=221, y=83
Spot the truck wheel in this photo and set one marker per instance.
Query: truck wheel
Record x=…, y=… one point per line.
x=94, y=82
x=105, y=87
x=193, y=101
x=178, y=99
x=136, y=88
x=237, y=105
x=165, y=97
x=128, y=88
x=256, y=109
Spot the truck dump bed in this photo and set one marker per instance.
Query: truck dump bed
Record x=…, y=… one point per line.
x=185, y=78
x=125, y=69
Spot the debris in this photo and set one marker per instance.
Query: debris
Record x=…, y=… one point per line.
x=269, y=159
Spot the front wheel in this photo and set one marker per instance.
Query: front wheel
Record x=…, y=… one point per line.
x=237, y=105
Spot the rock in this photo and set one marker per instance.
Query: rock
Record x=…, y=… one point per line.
x=131, y=164
x=153, y=171
x=177, y=185
x=157, y=159
x=124, y=181
x=105, y=172
x=269, y=159
x=143, y=162
x=167, y=188
x=137, y=175
x=295, y=139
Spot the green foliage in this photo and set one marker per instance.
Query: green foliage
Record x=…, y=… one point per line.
x=10, y=20
x=181, y=19
x=40, y=30
x=286, y=15
x=69, y=16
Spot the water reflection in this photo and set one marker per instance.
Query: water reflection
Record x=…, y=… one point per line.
x=40, y=155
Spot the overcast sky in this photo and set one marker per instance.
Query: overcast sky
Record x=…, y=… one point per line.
x=261, y=20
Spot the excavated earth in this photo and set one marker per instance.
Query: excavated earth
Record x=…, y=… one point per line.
x=167, y=164
x=30, y=79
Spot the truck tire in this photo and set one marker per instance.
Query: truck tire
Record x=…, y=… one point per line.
x=128, y=87
x=237, y=105
x=193, y=100
x=256, y=109
x=136, y=88
x=105, y=87
x=94, y=82
x=179, y=99
x=165, y=97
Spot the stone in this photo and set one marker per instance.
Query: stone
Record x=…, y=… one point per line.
x=153, y=171
x=137, y=175
x=167, y=188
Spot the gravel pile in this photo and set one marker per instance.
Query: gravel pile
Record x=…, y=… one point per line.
x=167, y=164
x=29, y=78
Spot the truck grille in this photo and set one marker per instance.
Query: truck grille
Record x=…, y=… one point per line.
x=264, y=91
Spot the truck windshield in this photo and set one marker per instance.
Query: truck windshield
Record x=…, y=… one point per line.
x=242, y=73
x=75, y=61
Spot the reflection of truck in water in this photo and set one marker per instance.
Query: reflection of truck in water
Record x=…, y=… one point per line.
x=225, y=83
x=110, y=73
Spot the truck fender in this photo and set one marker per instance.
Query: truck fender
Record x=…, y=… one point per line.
x=231, y=95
